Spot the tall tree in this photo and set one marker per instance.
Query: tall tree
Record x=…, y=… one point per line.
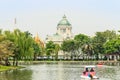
x=84, y=43
x=2, y=37
x=37, y=50
x=57, y=48
x=100, y=39
x=70, y=47
x=112, y=46
x=82, y=39
x=50, y=46
x=24, y=43
x=6, y=50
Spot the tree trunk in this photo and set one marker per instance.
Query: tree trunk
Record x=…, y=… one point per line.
x=56, y=56
x=7, y=63
x=13, y=61
x=35, y=57
x=16, y=62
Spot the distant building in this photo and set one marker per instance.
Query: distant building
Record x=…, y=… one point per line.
x=39, y=41
x=64, y=32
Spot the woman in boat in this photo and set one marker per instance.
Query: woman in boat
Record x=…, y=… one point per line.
x=86, y=72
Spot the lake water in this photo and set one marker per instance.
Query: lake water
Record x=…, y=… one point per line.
x=59, y=71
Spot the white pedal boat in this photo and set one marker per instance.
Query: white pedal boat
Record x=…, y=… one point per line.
x=84, y=77
x=88, y=78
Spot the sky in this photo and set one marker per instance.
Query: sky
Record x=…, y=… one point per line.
x=42, y=16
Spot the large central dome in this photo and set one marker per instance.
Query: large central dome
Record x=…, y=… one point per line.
x=64, y=21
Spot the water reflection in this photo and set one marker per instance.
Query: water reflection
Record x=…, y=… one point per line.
x=56, y=72
x=16, y=75
x=106, y=73
x=61, y=71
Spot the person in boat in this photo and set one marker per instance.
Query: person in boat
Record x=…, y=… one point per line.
x=92, y=73
x=92, y=70
x=88, y=73
x=85, y=73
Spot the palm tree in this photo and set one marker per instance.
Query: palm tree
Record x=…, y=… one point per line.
x=87, y=49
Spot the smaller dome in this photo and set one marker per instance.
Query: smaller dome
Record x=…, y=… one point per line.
x=57, y=36
x=64, y=21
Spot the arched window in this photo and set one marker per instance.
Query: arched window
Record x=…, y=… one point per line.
x=64, y=30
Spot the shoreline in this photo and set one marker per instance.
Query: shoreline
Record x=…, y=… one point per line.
x=7, y=68
x=80, y=62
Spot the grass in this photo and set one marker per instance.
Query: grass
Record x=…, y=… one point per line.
x=6, y=68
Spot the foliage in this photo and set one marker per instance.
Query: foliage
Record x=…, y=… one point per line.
x=25, y=43
x=112, y=46
x=69, y=46
x=101, y=38
x=22, y=46
x=50, y=46
x=82, y=39
x=57, y=48
x=6, y=50
x=37, y=50
x=84, y=43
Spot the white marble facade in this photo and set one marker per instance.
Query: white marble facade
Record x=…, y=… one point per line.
x=64, y=32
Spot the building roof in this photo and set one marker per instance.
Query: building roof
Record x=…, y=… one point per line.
x=38, y=40
x=57, y=37
x=64, y=21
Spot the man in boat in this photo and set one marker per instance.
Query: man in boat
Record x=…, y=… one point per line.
x=92, y=72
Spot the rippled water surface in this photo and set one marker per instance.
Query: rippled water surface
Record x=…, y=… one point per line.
x=59, y=71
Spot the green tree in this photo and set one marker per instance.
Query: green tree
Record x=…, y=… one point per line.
x=57, y=48
x=100, y=39
x=24, y=43
x=7, y=49
x=112, y=46
x=82, y=39
x=2, y=37
x=50, y=46
x=37, y=50
x=70, y=47
x=84, y=44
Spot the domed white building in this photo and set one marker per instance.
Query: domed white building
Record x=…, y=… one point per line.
x=64, y=32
